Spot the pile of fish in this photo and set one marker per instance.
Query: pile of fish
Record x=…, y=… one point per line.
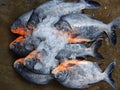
x=55, y=41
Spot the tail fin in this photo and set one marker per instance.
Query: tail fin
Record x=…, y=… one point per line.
x=108, y=72
x=90, y=4
x=94, y=49
x=111, y=32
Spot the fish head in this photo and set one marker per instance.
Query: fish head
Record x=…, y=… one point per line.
x=18, y=46
x=18, y=64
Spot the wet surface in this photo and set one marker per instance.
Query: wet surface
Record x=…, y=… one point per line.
x=12, y=9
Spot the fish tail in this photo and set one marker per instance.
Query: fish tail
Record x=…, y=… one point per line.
x=108, y=72
x=94, y=48
x=111, y=32
x=90, y=4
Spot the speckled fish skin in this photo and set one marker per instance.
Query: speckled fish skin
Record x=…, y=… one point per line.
x=72, y=51
x=87, y=27
x=31, y=76
x=58, y=8
x=81, y=74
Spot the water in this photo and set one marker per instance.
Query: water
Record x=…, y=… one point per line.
x=11, y=9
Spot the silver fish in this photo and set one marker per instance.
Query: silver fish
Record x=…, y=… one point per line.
x=87, y=27
x=58, y=8
x=31, y=76
x=80, y=50
x=81, y=74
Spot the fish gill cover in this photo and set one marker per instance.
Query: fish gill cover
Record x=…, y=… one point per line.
x=55, y=41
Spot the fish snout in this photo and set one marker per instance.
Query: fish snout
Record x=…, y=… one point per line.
x=18, y=65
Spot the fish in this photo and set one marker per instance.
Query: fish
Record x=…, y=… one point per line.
x=86, y=27
x=30, y=76
x=80, y=74
x=29, y=20
x=72, y=51
x=58, y=8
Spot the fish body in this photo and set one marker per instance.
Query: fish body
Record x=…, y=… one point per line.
x=73, y=51
x=81, y=74
x=86, y=27
x=58, y=8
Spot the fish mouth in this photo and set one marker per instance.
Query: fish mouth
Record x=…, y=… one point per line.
x=18, y=46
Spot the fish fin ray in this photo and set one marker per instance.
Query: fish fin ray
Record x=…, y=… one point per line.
x=111, y=32
x=108, y=73
x=95, y=46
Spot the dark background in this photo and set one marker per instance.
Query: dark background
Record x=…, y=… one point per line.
x=12, y=9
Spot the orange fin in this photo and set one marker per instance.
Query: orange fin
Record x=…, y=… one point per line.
x=77, y=40
x=21, y=60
